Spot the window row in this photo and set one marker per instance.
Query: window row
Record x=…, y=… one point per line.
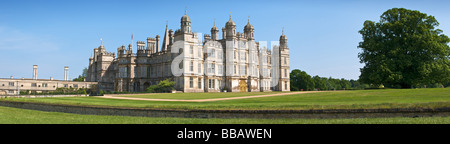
x=43, y=85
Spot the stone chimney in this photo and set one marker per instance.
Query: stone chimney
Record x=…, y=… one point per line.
x=157, y=44
x=66, y=73
x=35, y=72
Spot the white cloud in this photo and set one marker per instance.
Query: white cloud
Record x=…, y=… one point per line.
x=13, y=39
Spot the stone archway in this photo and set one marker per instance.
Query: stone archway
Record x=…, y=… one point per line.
x=242, y=86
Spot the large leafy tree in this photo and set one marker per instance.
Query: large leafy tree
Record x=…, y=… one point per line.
x=404, y=49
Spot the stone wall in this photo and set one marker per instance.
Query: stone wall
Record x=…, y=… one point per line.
x=266, y=114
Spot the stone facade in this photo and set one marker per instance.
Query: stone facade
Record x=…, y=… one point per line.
x=14, y=86
x=235, y=63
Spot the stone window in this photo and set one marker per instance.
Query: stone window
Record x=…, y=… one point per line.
x=123, y=72
x=211, y=83
x=75, y=85
x=220, y=69
x=285, y=85
x=199, y=68
x=191, y=66
x=44, y=85
x=199, y=83
x=242, y=56
x=66, y=85
x=135, y=72
x=10, y=91
x=11, y=83
x=219, y=55
x=143, y=71
x=242, y=70
x=285, y=72
x=33, y=85
x=191, y=82
x=212, y=68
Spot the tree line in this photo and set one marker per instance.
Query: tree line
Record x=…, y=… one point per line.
x=300, y=80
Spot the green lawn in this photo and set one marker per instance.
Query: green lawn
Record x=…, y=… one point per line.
x=23, y=116
x=192, y=96
x=359, y=99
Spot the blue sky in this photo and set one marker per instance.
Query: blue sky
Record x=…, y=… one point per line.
x=322, y=35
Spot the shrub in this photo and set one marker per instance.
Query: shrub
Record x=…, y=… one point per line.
x=163, y=86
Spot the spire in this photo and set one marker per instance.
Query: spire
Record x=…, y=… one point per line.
x=185, y=9
x=166, y=39
x=214, y=28
x=214, y=32
x=248, y=19
x=282, y=31
x=101, y=45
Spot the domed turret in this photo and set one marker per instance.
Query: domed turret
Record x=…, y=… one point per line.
x=283, y=41
x=283, y=37
x=230, y=23
x=185, y=18
x=231, y=29
x=214, y=28
x=248, y=27
x=249, y=31
x=185, y=23
x=214, y=32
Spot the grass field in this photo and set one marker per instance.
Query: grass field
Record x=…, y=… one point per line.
x=359, y=99
x=22, y=116
x=194, y=96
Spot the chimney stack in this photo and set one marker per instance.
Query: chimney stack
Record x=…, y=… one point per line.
x=11, y=77
x=66, y=73
x=157, y=43
x=35, y=72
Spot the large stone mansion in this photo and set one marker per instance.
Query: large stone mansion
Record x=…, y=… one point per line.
x=234, y=63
